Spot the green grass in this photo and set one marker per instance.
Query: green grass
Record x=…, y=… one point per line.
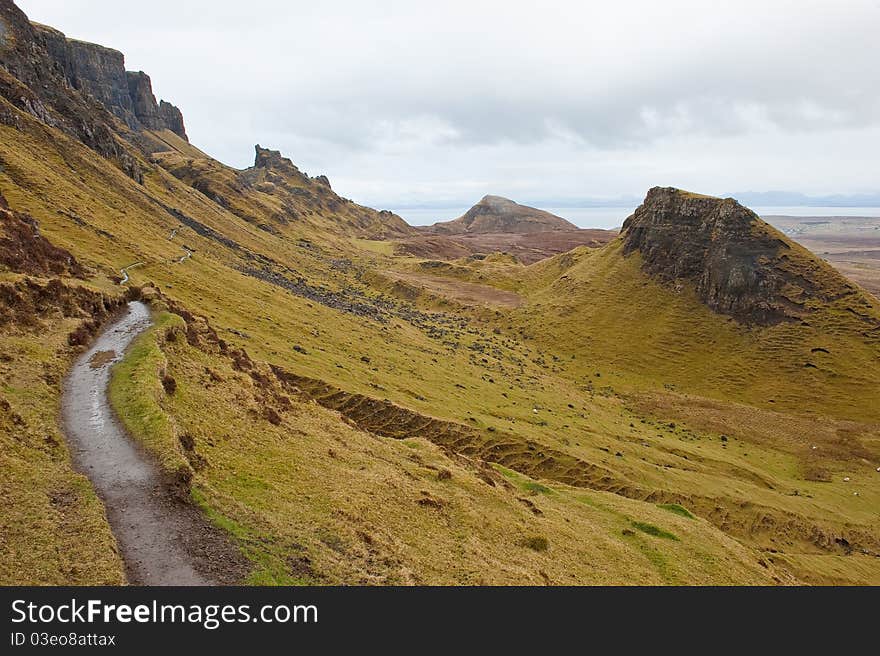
x=676, y=509
x=655, y=531
x=537, y=488
x=536, y=543
x=523, y=482
x=53, y=527
x=269, y=565
x=585, y=312
x=659, y=561
x=136, y=395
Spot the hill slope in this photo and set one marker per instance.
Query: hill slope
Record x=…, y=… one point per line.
x=657, y=303
x=278, y=198
x=738, y=264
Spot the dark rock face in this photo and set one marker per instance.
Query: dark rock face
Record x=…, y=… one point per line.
x=32, y=81
x=140, y=90
x=494, y=214
x=172, y=118
x=152, y=116
x=737, y=263
x=101, y=73
x=79, y=88
x=274, y=160
x=91, y=68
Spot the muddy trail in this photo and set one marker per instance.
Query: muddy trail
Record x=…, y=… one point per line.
x=163, y=539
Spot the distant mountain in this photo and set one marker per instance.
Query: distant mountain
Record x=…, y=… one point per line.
x=494, y=214
x=445, y=203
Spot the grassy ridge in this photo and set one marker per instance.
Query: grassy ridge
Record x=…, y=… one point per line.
x=604, y=311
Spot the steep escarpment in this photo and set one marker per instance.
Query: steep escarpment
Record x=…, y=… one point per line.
x=91, y=68
x=100, y=72
x=494, y=214
x=45, y=70
x=738, y=264
x=32, y=81
x=172, y=119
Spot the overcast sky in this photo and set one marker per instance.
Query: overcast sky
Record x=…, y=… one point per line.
x=426, y=102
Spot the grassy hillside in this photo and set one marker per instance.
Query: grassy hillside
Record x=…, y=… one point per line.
x=53, y=530
x=605, y=310
x=312, y=499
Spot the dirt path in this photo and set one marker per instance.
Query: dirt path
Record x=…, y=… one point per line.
x=124, y=272
x=164, y=541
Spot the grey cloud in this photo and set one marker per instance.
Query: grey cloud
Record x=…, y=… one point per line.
x=587, y=98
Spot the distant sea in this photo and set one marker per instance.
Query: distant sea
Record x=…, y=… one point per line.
x=613, y=217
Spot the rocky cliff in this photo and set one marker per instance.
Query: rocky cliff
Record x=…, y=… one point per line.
x=737, y=263
x=33, y=81
x=88, y=67
x=79, y=88
x=494, y=214
x=100, y=72
x=172, y=118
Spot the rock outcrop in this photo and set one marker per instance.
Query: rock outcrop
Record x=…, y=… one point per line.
x=172, y=118
x=494, y=214
x=144, y=105
x=100, y=72
x=274, y=193
x=274, y=160
x=79, y=88
x=91, y=68
x=34, y=82
x=738, y=264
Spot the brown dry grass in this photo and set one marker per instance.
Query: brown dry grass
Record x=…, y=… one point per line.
x=53, y=530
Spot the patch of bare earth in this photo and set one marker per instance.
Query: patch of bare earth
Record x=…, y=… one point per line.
x=466, y=293
x=101, y=358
